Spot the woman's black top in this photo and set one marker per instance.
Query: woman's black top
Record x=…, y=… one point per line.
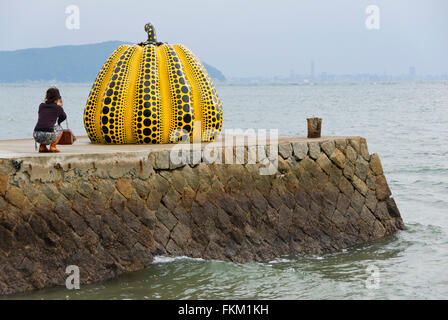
x=48, y=114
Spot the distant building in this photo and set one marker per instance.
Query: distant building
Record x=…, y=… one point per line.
x=412, y=72
x=312, y=70
x=323, y=76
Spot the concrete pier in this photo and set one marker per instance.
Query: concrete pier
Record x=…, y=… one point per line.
x=108, y=209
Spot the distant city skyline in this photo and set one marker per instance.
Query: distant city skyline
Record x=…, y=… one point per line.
x=253, y=38
x=324, y=76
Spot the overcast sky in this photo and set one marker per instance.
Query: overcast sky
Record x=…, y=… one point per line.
x=251, y=38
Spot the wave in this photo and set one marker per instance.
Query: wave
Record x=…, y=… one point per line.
x=165, y=259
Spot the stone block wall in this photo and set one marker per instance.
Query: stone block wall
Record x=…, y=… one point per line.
x=111, y=214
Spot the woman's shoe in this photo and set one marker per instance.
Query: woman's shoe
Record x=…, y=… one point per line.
x=43, y=148
x=53, y=145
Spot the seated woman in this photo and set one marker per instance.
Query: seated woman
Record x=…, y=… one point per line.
x=46, y=130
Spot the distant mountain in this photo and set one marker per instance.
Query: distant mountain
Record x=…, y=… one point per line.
x=213, y=72
x=79, y=63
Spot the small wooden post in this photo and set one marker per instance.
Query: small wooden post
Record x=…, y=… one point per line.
x=314, y=127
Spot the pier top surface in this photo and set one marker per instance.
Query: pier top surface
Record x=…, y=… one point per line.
x=24, y=148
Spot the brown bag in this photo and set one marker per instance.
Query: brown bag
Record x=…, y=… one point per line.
x=67, y=136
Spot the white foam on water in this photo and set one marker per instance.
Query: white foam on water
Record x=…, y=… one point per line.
x=279, y=260
x=165, y=259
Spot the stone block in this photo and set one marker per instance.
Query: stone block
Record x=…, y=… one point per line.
x=106, y=187
x=49, y=190
x=171, y=198
x=346, y=187
x=85, y=189
x=142, y=187
x=361, y=168
x=178, y=181
x=42, y=203
x=16, y=197
x=183, y=215
x=124, y=187
x=368, y=217
x=300, y=150
x=181, y=234
x=355, y=143
x=351, y=154
x=41, y=173
x=371, y=200
x=161, y=233
x=3, y=183
x=324, y=163
x=154, y=198
x=381, y=212
x=371, y=180
x=160, y=160
x=363, y=150
x=392, y=208
x=360, y=185
x=375, y=164
x=378, y=230
x=67, y=190
x=145, y=169
x=313, y=150
x=335, y=175
x=338, y=158
x=343, y=203
x=160, y=183
x=179, y=155
x=382, y=189
x=331, y=193
x=191, y=177
x=357, y=201
x=272, y=151
x=283, y=166
x=285, y=150
x=166, y=217
x=196, y=157
x=121, y=168
x=341, y=144
x=339, y=220
x=328, y=147
x=6, y=166
x=349, y=170
x=3, y=204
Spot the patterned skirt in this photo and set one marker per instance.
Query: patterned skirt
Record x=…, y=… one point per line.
x=44, y=137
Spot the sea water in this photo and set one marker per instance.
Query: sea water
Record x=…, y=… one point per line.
x=405, y=123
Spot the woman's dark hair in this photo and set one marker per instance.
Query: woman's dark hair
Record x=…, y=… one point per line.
x=52, y=95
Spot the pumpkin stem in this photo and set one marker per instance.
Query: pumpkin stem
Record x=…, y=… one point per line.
x=151, y=31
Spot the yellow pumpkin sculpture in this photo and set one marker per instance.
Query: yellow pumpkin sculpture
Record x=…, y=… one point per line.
x=152, y=92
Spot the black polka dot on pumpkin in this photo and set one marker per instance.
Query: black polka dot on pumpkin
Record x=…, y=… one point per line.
x=187, y=118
